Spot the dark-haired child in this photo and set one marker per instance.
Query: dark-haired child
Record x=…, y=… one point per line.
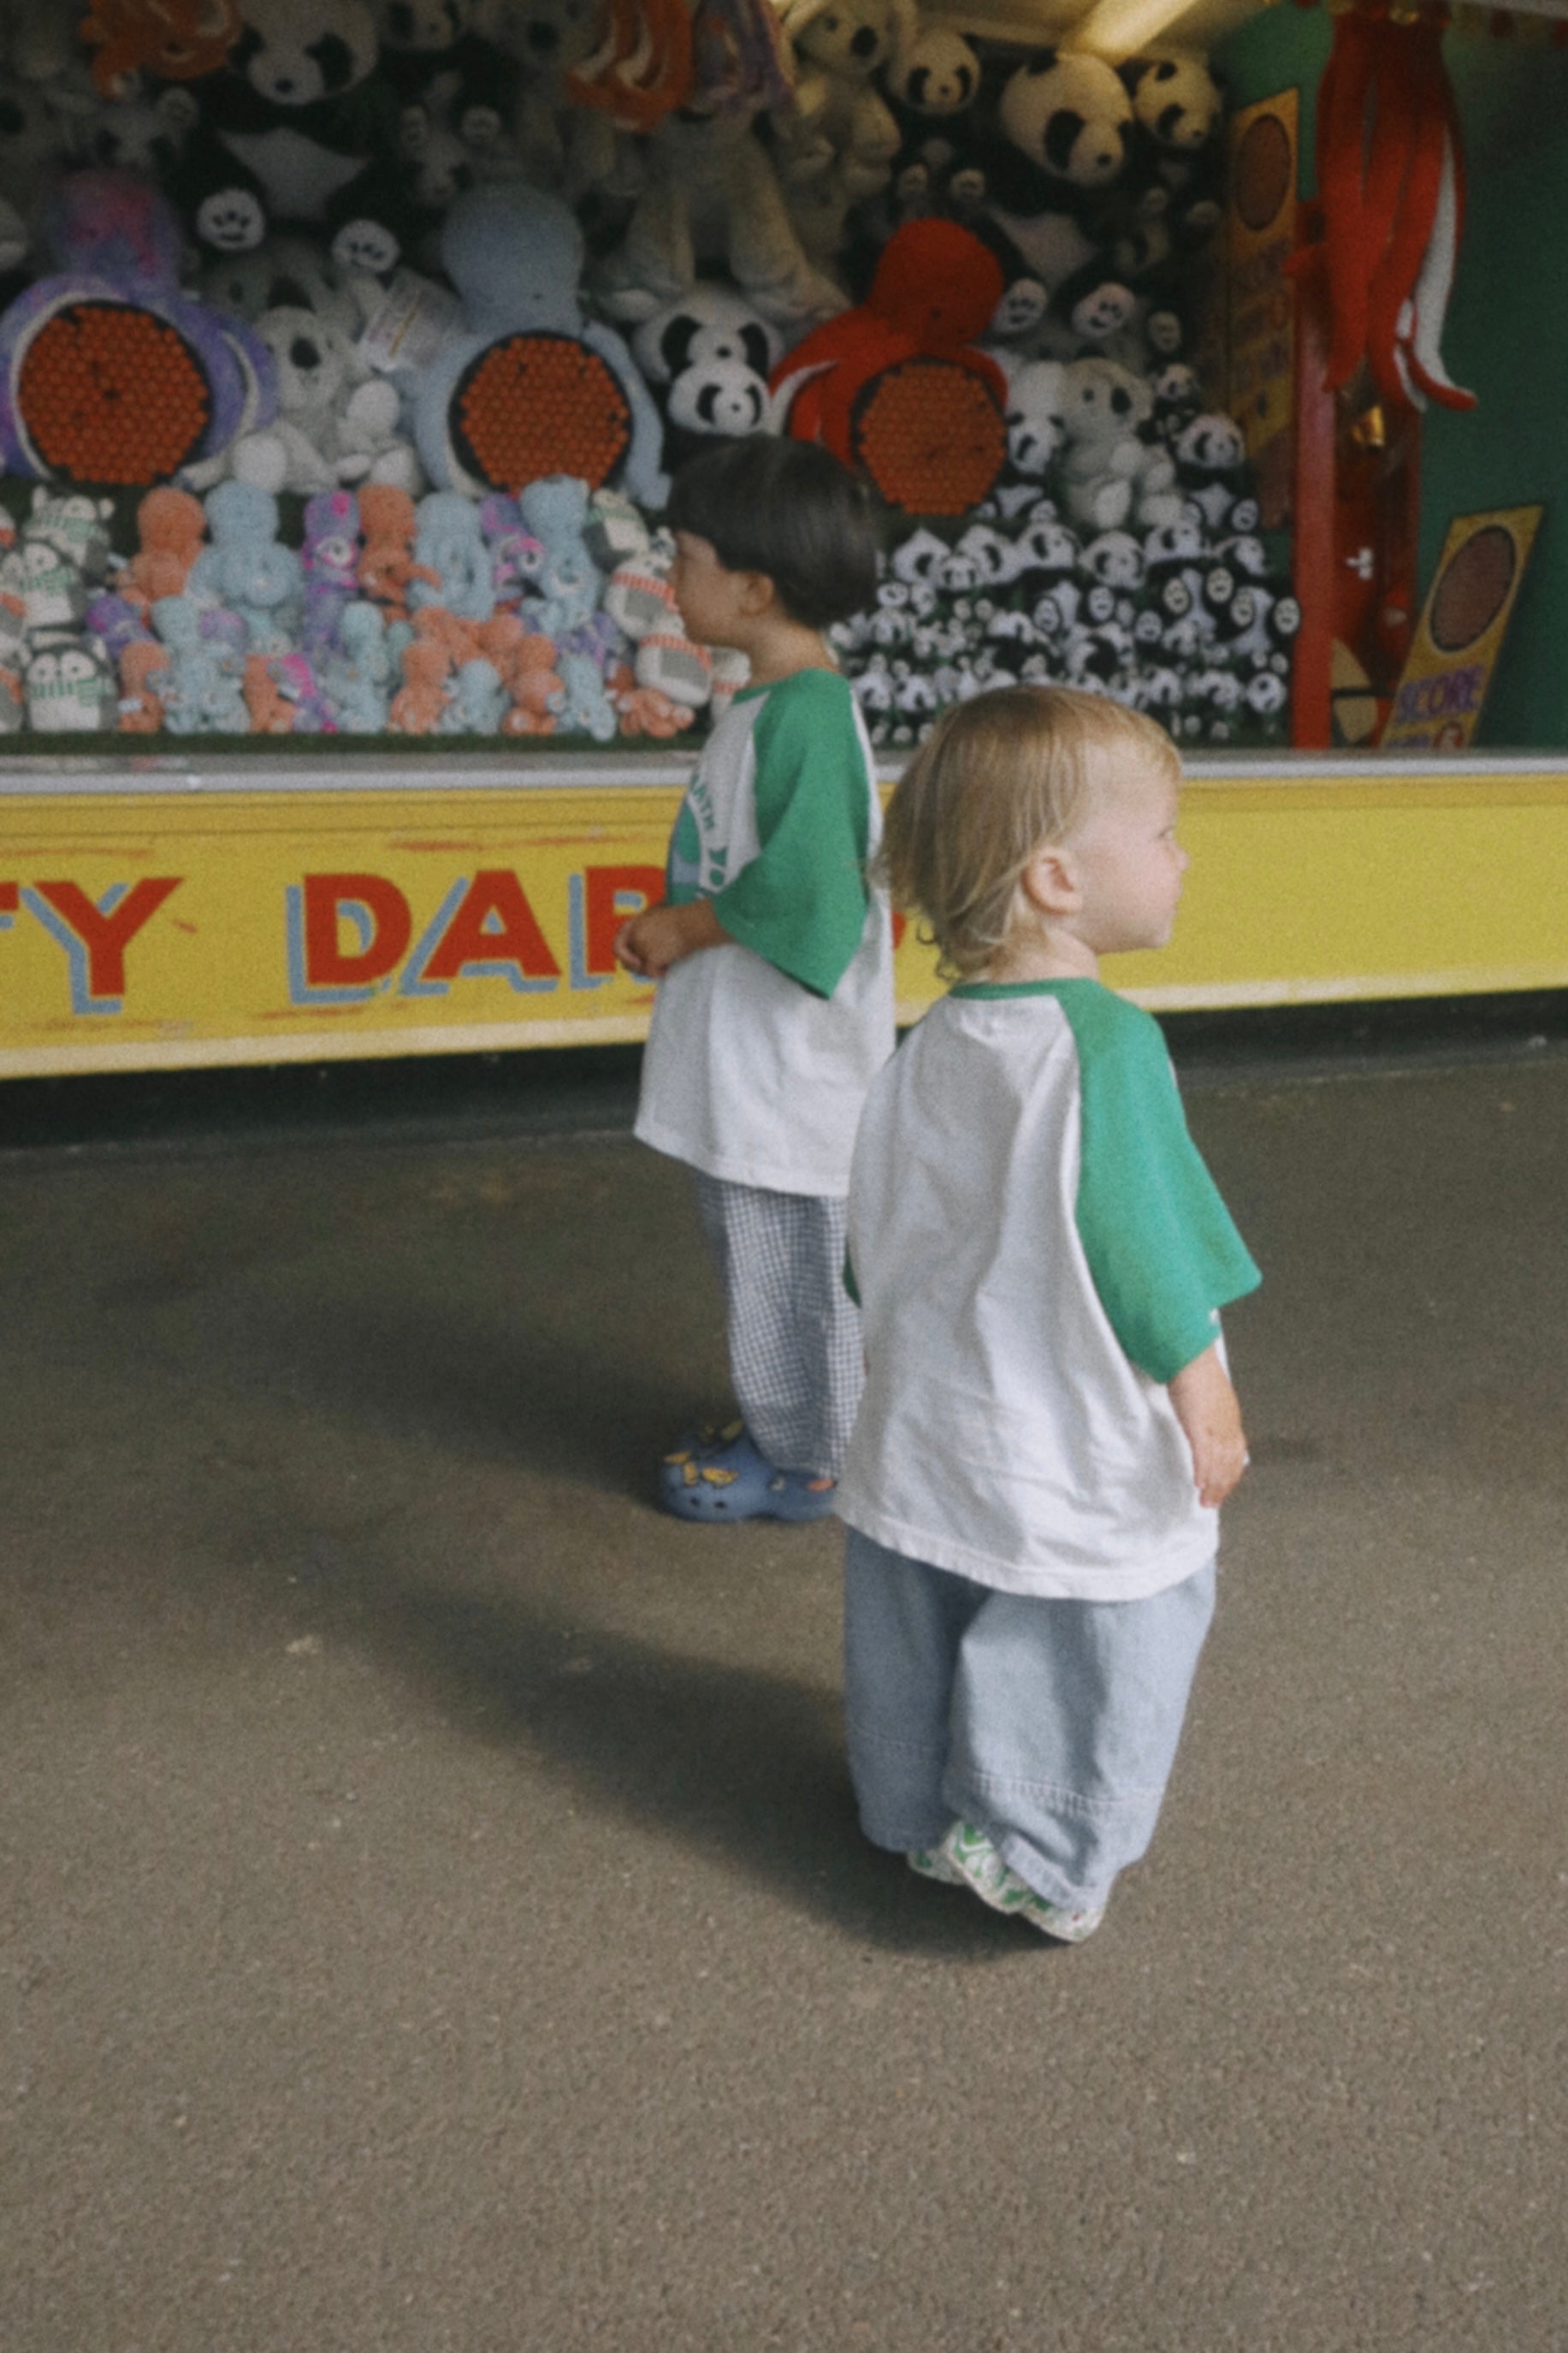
x=774, y=957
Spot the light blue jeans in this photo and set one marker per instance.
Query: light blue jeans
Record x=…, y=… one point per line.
x=1052, y=1725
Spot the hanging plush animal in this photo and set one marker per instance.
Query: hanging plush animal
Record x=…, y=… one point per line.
x=1391, y=180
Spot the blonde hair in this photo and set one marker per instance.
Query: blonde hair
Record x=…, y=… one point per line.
x=997, y=779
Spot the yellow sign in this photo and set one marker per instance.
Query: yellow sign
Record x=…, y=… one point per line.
x=1437, y=702
x=1260, y=238
x=139, y=932
x=147, y=929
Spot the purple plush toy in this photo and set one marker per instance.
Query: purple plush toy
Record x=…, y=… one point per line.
x=109, y=372
x=330, y=558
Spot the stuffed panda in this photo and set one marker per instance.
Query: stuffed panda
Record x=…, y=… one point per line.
x=1178, y=156
x=709, y=356
x=1115, y=561
x=1178, y=399
x=435, y=61
x=1035, y=430
x=298, y=125
x=1053, y=146
x=1067, y=122
x=1211, y=461
x=936, y=74
x=917, y=558
x=990, y=553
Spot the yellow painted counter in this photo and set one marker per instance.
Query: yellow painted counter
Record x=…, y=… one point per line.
x=177, y=913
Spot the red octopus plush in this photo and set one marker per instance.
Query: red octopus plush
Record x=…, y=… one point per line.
x=1390, y=178
x=896, y=388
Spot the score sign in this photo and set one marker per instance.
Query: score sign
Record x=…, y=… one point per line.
x=1437, y=702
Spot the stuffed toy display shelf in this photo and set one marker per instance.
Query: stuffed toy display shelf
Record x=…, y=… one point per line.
x=346, y=351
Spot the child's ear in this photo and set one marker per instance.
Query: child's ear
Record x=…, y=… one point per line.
x=758, y=594
x=1050, y=881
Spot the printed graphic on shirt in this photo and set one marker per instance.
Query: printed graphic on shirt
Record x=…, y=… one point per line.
x=683, y=867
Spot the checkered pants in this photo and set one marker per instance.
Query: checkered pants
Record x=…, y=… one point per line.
x=794, y=1331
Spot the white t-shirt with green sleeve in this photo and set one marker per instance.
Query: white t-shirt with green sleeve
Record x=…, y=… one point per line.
x=1037, y=1249
x=759, y=1052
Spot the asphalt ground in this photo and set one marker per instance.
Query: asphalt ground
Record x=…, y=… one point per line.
x=432, y=1916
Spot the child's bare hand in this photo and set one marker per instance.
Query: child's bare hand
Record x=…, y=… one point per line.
x=650, y=943
x=1210, y=1414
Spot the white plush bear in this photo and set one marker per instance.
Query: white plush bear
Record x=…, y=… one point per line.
x=838, y=121
x=333, y=431
x=1111, y=476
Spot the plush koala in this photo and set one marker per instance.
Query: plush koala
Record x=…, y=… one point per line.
x=332, y=430
x=1112, y=475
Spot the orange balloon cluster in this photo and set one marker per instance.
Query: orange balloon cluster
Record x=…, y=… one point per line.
x=533, y=405
x=107, y=393
x=931, y=436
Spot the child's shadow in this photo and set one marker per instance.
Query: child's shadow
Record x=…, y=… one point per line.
x=744, y=1765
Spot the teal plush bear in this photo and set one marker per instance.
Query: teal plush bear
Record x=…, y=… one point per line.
x=246, y=571
x=556, y=512
x=449, y=539
x=202, y=693
x=357, y=678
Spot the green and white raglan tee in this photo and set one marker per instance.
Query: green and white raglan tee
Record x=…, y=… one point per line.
x=761, y=1051
x=1037, y=1249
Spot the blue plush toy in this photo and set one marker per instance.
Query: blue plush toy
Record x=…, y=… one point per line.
x=586, y=709
x=564, y=597
x=447, y=537
x=356, y=679
x=203, y=693
x=528, y=386
x=246, y=571
x=478, y=700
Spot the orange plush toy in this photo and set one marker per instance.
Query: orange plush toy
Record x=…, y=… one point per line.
x=170, y=525
x=143, y=665
x=424, y=695
x=386, y=566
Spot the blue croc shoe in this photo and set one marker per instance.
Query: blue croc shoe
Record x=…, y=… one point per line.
x=722, y=1476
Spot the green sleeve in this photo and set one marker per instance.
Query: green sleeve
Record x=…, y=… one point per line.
x=801, y=903
x=1162, y=1250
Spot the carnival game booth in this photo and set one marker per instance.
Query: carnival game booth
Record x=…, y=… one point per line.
x=345, y=352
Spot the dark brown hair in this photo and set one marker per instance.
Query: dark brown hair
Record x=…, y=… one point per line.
x=790, y=511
